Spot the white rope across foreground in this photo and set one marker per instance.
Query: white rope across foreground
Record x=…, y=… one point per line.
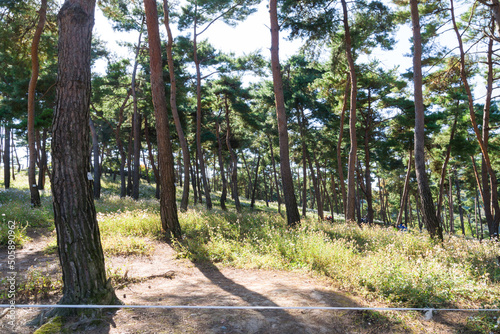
x=214, y=307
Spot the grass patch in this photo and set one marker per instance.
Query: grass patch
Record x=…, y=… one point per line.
x=403, y=269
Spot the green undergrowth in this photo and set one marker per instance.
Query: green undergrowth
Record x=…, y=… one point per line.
x=401, y=268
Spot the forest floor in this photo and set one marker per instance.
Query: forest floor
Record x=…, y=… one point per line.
x=163, y=279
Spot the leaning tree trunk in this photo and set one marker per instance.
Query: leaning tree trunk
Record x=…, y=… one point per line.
x=431, y=221
x=168, y=205
x=351, y=180
x=292, y=212
x=35, y=67
x=481, y=138
x=175, y=114
x=78, y=238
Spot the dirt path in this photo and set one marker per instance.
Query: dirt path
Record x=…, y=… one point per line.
x=164, y=280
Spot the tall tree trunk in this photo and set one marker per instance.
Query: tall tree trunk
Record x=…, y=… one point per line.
x=6, y=159
x=340, y=165
x=252, y=203
x=405, y=190
x=459, y=202
x=450, y=205
x=223, y=195
x=443, y=168
x=156, y=173
x=198, y=119
x=129, y=163
x=95, y=150
x=275, y=173
x=78, y=238
x=292, y=212
x=136, y=123
x=43, y=169
x=430, y=219
x=351, y=179
x=249, y=184
x=175, y=114
x=35, y=67
x=234, y=160
x=168, y=205
x=482, y=137
x=304, y=180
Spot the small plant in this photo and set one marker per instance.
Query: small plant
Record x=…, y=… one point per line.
x=36, y=285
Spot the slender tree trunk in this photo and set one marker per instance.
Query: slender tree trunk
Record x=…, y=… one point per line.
x=481, y=138
x=78, y=238
x=198, y=120
x=445, y=165
x=405, y=190
x=136, y=123
x=95, y=149
x=351, y=182
x=175, y=114
x=129, y=164
x=292, y=212
x=275, y=173
x=43, y=161
x=450, y=205
x=252, y=203
x=340, y=165
x=151, y=157
x=35, y=67
x=430, y=219
x=234, y=160
x=168, y=205
x=223, y=195
x=304, y=180
x=459, y=202
x=6, y=159
x=249, y=184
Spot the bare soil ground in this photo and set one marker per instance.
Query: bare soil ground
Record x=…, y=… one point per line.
x=162, y=279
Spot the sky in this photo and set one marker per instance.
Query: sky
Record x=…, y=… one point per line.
x=251, y=35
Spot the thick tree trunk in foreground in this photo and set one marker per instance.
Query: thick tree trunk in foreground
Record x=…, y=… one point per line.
x=340, y=167
x=78, y=237
x=35, y=67
x=175, y=114
x=168, y=205
x=431, y=221
x=292, y=212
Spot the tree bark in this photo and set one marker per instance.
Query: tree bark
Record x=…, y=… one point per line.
x=351, y=179
x=252, y=203
x=95, y=150
x=198, y=120
x=443, y=168
x=223, y=195
x=35, y=67
x=151, y=157
x=430, y=219
x=168, y=205
x=6, y=159
x=459, y=202
x=405, y=191
x=292, y=212
x=234, y=160
x=482, y=140
x=175, y=113
x=340, y=167
x=275, y=173
x=136, y=124
x=78, y=238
